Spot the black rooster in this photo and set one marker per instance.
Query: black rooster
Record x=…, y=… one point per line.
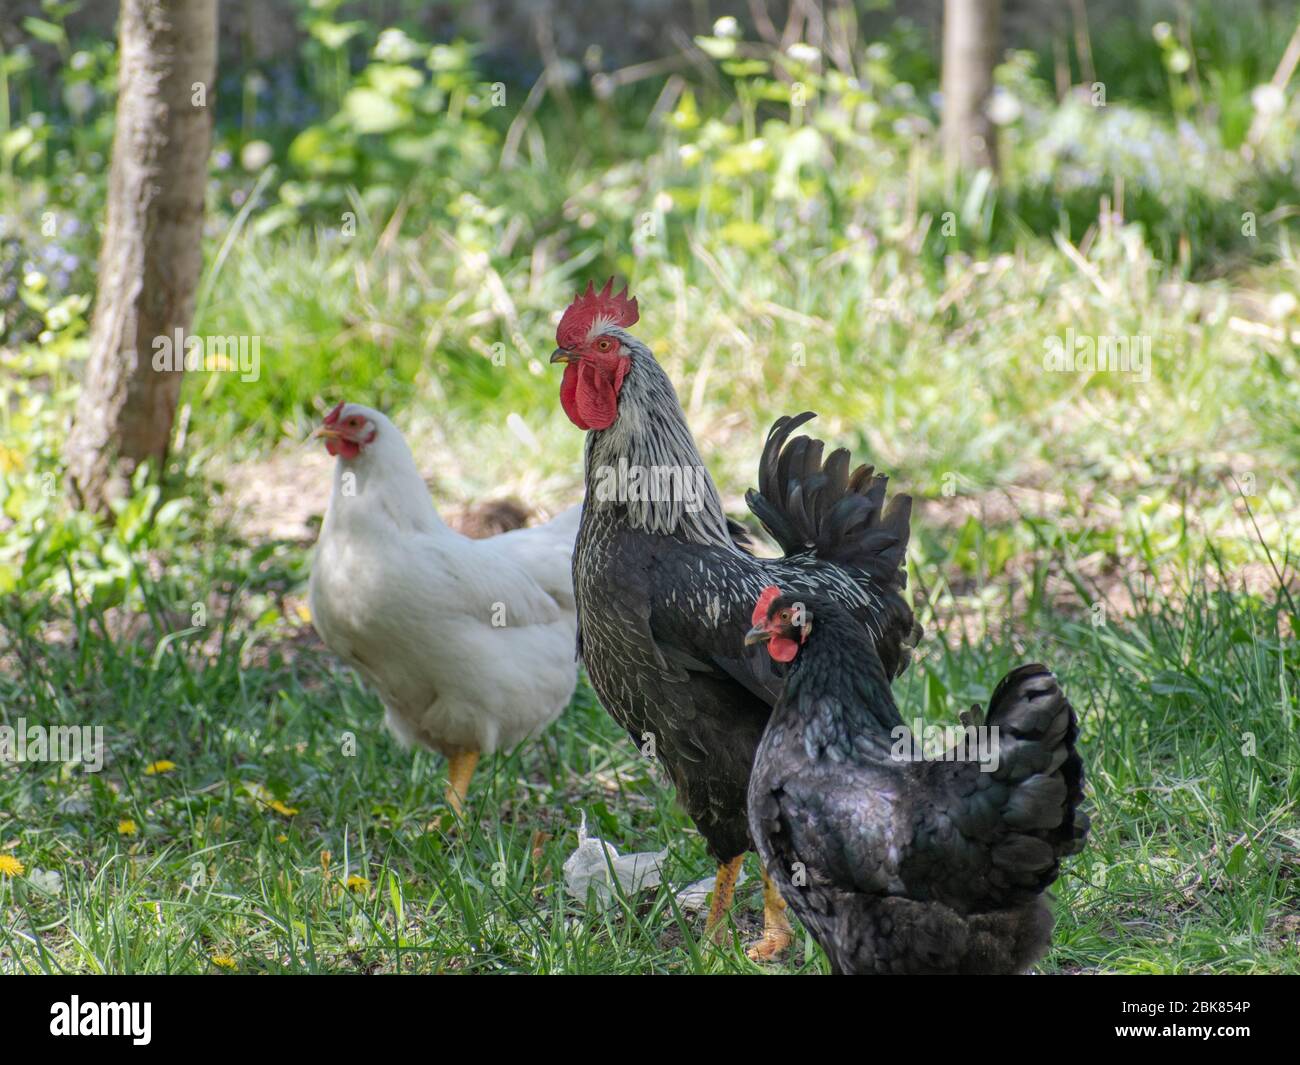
x=664, y=583
x=897, y=864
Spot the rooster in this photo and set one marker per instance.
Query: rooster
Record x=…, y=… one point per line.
x=665, y=583
x=469, y=643
x=893, y=863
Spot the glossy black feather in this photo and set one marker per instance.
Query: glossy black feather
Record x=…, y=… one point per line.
x=898, y=865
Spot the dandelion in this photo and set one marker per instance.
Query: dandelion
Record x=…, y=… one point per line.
x=280, y=808
x=154, y=769
x=357, y=883
x=127, y=827
x=223, y=961
x=10, y=866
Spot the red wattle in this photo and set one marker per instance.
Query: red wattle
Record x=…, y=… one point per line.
x=782, y=648
x=589, y=396
x=346, y=448
x=569, y=395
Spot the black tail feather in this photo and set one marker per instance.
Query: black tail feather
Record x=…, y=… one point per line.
x=813, y=505
x=808, y=504
x=1038, y=736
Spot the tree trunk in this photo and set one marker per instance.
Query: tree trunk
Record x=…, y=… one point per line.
x=151, y=257
x=970, y=51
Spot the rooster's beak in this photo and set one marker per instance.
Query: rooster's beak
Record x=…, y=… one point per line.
x=563, y=355
x=757, y=634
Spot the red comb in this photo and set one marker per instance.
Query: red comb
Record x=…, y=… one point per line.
x=333, y=415
x=764, y=601
x=590, y=305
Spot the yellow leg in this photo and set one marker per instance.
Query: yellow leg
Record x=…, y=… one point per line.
x=723, y=892
x=777, y=934
x=460, y=767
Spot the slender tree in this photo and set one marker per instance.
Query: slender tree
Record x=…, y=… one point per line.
x=151, y=256
x=970, y=51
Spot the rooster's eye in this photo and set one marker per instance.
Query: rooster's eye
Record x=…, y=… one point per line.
x=604, y=345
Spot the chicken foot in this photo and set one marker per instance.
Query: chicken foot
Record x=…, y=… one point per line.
x=460, y=767
x=777, y=934
x=724, y=891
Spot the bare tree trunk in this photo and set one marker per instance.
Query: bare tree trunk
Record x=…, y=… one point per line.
x=970, y=51
x=151, y=257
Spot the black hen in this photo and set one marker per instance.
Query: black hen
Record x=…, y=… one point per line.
x=897, y=864
x=665, y=586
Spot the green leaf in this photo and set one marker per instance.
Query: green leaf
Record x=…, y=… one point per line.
x=747, y=235
x=45, y=31
x=717, y=47
x=373, y=112
x=744, y=68
x=334, y=35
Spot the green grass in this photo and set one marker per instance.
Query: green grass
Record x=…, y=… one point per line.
x=1193, y=863
x=784, y=260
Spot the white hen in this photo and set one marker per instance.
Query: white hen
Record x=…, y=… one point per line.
x=469, y=643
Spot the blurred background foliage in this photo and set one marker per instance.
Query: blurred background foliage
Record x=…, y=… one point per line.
x=403, y=197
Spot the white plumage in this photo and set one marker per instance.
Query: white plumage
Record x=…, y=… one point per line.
x=469, y=643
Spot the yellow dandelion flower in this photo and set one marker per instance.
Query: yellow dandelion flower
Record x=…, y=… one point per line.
x=280, y=808
x=10, y=866
x=127, y=827
x=281, y=838
x=11, y=461
x=357, y=883
x=162, y=766
x=223, y=961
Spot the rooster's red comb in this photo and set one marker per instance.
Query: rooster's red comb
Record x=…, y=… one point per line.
x=590, y=305
x=764, y=601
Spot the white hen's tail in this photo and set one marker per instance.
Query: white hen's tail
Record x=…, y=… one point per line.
x=546, y=552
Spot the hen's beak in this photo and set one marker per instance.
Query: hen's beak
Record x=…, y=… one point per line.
x=326, y=433
x=757, y=634
x=564, y=355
